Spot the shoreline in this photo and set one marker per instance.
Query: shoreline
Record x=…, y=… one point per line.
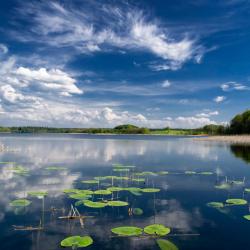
x=232, y=139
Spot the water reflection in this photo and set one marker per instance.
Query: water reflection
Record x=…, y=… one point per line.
x=180, y=205
x=241, y=151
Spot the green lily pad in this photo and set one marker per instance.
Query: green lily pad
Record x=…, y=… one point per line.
x=127, y=231
x=115, y=189
x=157, y=229
x=238, y=182
x=71, y=191
x=38, y=193
x=85, y=191
x=103, y=192
x=163, y=173
x=137, y=211
x=94, y=204
x=20, y=203
x=247, y=190
x=117, y=203
x=91, y=182
x=138, y=179
x=215, y=204
x=20, y=170
x=77, y=241
x=134, y=190
x=223, y=186
x=206, y=173
x=121, y=169
x=145, y=173
x=247, y=217
x=236, y=201
x=166, y=245
x=122, y=178
x=150, y=190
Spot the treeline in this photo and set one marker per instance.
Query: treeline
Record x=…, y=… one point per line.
x=240, y=124
x=122, y=129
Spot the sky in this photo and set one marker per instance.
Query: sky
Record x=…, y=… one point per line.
x=161, y=63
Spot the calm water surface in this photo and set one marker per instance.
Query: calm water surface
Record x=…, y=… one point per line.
x=180, y=205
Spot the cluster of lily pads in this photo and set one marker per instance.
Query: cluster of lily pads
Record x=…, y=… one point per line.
x=155, y=230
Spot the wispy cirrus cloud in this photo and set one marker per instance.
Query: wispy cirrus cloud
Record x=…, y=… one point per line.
x=93, y=27
x=230, y=86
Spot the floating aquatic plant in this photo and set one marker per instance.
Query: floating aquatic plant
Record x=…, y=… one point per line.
x=223, y=186
x=134, y=190
x=121, y=169
x=163, y=173
x=166, y=245
x=137, y=211
x=157, y=229
x=103, y=192
x=215, y=204
x=145, y=173
x=20, y=170
x=117, y=203
x=77, y=241
x=20, y=203
x=71, y=191
x=94, y=204
x=115, y=189
x=247, y=190
x=127, y=231
x=138, y=179
x=38, y=194
x=236, y=201
x=247, y=217
x=150, y=190
x=206, y=173
x=91, y=182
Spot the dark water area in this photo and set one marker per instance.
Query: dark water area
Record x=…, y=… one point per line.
x=55, y=163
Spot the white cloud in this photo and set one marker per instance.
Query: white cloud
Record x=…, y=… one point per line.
x=208, y=114
x=52, y=80
x=106, y=28
x=219, y=99
x=230, y=86
x=166, y=84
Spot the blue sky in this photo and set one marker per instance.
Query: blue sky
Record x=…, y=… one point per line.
x=103, y=63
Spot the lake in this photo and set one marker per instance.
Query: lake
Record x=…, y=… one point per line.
x=162, y=180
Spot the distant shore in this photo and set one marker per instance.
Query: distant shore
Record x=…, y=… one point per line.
x=234, y=139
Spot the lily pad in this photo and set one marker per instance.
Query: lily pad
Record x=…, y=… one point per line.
x=20, y=203
x=91, y=182
x=236, y=201
x=163, y=173
x=20, y=170
x=215, y=204
x=103, y=192
x=121, y=169
x=138, y=179
x=157, y=229
x=115, y=189
x=94, y=204
x=117, y=203
x=39, y=194
x=71, y=191
x=77, y=241
x=127, y=231
x=166, y=245
x=206, y=173
x=150, y=190
x=223, y=186
x=145, y=173
x=137, y=211
x=247, y=190
x=247, y=217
